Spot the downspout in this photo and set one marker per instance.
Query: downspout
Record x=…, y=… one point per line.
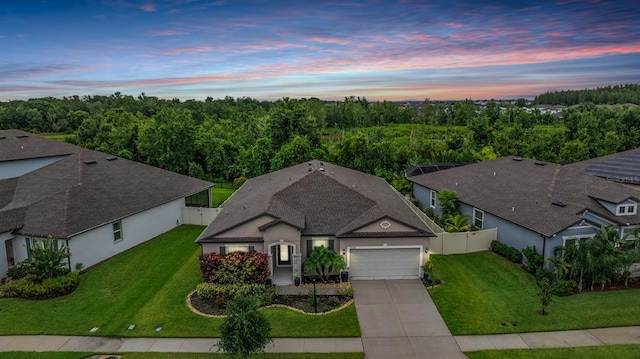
x=544, y=247
x=69, y=254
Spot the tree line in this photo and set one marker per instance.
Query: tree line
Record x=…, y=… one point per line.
x=609, y=95
x=223, y=139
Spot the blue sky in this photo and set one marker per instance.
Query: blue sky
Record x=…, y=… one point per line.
x=327, y=49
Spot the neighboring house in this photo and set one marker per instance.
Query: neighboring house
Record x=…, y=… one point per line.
x=288, y=212
x=532, y=202
x=98, y=204
x=623, y=167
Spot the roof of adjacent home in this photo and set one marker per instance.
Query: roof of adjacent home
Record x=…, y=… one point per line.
x=318, y=198
x=20, y=145
x=623, y=167
x=83, y=190
x=543, y=197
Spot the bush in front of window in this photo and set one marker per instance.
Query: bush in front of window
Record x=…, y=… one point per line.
x=237, y=267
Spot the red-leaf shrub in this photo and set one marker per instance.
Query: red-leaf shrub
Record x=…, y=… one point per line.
x=237, y=267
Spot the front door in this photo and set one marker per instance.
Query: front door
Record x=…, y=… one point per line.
x=8, y=246
x=284, y=255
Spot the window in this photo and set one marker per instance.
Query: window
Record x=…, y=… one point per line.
x=117, y=231
x=432, y=199
x=244, y=248
x=317, y=242
x=626, y=209
x=478, y=218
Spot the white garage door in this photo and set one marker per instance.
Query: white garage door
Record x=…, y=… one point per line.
x=384, y=263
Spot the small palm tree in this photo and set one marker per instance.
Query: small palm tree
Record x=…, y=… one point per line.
x=323, y=261
x=457, y=223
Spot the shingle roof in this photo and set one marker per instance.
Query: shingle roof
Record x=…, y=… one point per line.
x=621, y=167
x=319, y=198
x=84, y=190
x=523, y=191
x=20, y=145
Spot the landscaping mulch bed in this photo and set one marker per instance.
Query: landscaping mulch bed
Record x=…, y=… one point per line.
x=325, y=303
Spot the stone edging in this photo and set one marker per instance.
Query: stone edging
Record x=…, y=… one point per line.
x=188, y=300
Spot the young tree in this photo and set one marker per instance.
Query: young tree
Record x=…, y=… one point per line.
x=544, y=293
x=244, y=330
x=448, y=202
x=324, y=261
x=457, y=223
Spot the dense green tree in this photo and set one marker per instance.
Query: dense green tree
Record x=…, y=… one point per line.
x=245, y=330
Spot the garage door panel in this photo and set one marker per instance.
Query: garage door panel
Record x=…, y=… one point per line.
x=388, y=262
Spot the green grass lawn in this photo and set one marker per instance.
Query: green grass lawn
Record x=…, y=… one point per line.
x=219, y=195
x=601, y=352
x=485, y=294
x=147, y=286
x=77, y=355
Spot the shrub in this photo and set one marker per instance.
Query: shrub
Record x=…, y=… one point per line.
x=563, y=287
x=29, y=288
x=345, y=291
x=17, y=271
x=47, y=259
x=510, y=253
x=448, y=202
x=532, y=259
x=244, y=330
x=238, y=182
x=221, y=294
x=334, y=301
x=250, y=267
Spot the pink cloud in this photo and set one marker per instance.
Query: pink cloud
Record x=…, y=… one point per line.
x=148, y=7
x=188, y=50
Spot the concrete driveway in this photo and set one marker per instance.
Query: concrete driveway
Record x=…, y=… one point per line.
x=399, y=320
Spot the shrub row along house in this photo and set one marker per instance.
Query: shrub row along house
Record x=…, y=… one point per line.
x=288, y=212
x=534, y=203
x=98, y=204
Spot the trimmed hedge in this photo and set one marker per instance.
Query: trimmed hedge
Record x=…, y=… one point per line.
x=28, y=288
x=220, y=294
x=510, y=253
x=532, y=259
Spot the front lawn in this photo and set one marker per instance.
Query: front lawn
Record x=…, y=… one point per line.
x=147, y=287
x=485, y=294
x=601, y=352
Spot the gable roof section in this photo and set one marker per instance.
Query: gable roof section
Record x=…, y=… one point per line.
x=84, y=190
x=523, y=192
x=20, y=145
x=317, y=197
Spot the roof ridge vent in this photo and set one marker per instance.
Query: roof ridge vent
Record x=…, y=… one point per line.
x=321, y=169
x=559, y=204
x=519, y=159
x=3, y=137
x=90, y=162
x=540, y=163
x=22, y=136
x=112, y=158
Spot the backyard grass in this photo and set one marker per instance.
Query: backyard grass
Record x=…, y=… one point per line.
x=147, y=286
x=599, y=352
x=219, y=195
x=77, y=355
x=485, y=294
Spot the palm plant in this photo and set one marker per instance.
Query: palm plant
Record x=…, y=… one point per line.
x=323, y=261
x=457, y=223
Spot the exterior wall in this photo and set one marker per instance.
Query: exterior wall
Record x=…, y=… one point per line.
x=10, y=169
x=93, y=247
x=394, y=226
x=284, y=232
x=608, y=205
x=199, y=215
x=249, y=229
x=423, y=195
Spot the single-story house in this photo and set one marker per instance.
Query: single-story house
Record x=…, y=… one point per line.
x=288, y=212
x=97, y=204
x=533, y=203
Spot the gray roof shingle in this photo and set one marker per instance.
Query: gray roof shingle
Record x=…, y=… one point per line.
x=73, y=195
x=20, y=145
x=319, y=198
x=523, y=192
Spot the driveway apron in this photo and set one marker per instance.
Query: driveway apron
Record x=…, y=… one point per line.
x=399, y=320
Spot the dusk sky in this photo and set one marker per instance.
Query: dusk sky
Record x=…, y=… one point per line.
x=394, y=50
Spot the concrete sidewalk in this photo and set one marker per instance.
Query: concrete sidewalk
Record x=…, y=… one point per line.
x=52, y=343
x=467, y=343
x=569, y=338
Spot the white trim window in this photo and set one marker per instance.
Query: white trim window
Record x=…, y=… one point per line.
x=478, y=218
x=432, y=199
x=117, y=231
x=626, y=209
x=231, y=248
